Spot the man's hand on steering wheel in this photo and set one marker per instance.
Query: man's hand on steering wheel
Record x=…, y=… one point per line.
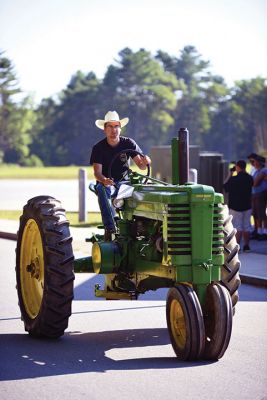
x=142, y=161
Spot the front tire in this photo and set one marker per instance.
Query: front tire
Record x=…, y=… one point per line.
x=218, y=319
x=185, y=323
x=44, y=267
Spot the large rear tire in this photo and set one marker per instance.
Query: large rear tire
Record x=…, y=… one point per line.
x=230, y=269
x=185, y=323
x=44, y=267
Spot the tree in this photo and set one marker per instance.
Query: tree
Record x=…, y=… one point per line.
x=8, y=87
x=67, y=127
x=261, y=121
x=226, y=130
x=16, y=118
x=139, y=87
x=251, y=95
x=240, y=124
x=200, y=92
x=20, y=123
x=44, y=141
x=78, y=109
x=159, y=94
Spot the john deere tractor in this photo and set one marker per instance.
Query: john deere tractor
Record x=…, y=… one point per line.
x=177, y=236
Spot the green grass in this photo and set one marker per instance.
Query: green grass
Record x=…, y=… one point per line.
x=16, y=172
x=93, y=218
x=11, y=171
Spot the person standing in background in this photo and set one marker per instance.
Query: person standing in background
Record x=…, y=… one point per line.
x=239, y=188
x=252, y=157
x=259, y=197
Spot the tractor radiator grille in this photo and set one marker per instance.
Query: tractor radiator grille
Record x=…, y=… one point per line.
x=179, y=232
x=218, y=236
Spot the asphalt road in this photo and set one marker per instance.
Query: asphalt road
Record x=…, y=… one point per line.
x=16, y=192
x=121, y=350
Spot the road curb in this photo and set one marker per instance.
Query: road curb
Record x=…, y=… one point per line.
x=253, y=280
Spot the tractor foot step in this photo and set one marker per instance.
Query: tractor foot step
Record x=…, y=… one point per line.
x=110, y=295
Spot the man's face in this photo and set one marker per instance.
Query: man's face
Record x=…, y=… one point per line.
x=112, y=130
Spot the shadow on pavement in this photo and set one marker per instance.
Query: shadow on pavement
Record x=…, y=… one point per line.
x=258, y=246
x=252, y=293
x=23, y=357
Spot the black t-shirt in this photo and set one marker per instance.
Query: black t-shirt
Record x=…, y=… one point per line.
x=239, y=188
x=103, y=153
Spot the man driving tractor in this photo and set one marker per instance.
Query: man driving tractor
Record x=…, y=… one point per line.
x=106, y=151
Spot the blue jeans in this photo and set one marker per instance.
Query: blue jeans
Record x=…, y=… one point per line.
x=104, y=194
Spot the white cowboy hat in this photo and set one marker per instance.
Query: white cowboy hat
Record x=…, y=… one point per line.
x=111, y=116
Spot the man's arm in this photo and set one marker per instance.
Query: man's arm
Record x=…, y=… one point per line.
x=142, y=162
x=259, y=178
x=100, y=177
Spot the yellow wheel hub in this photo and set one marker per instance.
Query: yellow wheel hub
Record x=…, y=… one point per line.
x=96, y=257
x=178, y=325
x=32, y=268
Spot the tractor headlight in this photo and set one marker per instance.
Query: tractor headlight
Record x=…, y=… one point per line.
x=118, y=203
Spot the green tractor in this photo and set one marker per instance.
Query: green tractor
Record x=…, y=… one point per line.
x=177, y=236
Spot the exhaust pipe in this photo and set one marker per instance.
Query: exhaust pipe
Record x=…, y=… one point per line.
x=180, y=157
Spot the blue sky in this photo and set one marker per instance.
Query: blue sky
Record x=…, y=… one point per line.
x=50, y=40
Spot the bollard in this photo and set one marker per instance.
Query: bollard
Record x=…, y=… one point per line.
x=82, y=195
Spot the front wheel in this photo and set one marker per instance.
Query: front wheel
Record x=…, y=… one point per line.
x=185, y=323
x=218, y=318
x=44, y=267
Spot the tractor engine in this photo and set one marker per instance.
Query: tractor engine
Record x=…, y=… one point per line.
x=165, y=234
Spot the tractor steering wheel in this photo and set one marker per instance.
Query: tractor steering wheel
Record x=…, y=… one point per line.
x=128, y=168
